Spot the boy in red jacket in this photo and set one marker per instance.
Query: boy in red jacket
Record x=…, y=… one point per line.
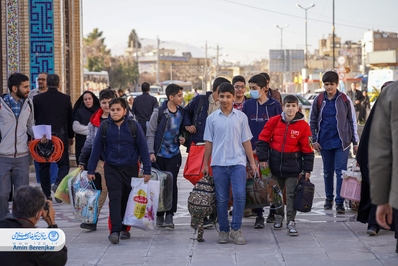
x=286, y=142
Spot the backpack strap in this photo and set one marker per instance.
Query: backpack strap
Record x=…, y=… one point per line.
x=198, y=108
x=130, y=123
x=321, y=97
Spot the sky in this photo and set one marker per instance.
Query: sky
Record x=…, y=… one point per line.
x=244, y=30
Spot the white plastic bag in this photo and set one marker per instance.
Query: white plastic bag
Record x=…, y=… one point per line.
x=142, y=204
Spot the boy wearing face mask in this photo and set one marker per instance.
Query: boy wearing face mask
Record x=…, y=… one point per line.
x=259, y=109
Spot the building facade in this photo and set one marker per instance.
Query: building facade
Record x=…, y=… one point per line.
x=42, y=36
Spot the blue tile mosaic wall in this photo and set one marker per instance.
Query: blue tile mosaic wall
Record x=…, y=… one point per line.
x=41, y=37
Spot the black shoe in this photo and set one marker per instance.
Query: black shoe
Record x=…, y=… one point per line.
x=340, y=209
x=271, y=217
x=91, y=227
x=259, y=223
x=328, y=204
x=373, y=230
x=114, y=238
x=125, y=235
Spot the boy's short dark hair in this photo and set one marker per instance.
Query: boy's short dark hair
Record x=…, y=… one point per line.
x=218, y=81
x=226, y=87
x=266, y=76
x=117, y=100
x=27, y=202
x=120, y=90
x=173, y=90
x=290, y=99
x=16, y=79
x=52, y=81
x=106, y=94
x=260, y=80
x=330, y=76
x=237, y=79
x=145, y=87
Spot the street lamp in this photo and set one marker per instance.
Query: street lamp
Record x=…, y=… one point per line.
x=281, y=28
x=306, y=54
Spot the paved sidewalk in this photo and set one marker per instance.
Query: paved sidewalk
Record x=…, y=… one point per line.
x=324, y=239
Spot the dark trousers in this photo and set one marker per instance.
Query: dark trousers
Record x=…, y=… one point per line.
x=63, y=170
x=171, y=165
x=118, y=182
x=79, y=143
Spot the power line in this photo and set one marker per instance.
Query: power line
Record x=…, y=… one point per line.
x=294, y=16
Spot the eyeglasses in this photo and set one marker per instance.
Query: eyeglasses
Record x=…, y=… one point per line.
x=42, y=79
x=240, y=87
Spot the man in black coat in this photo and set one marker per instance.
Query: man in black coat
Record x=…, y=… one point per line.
x=54, y=108
x=26, y=216
x=144, y=105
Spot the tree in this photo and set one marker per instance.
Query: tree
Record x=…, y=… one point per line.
x=133, y=40
x=96, y=54
x=123, y=73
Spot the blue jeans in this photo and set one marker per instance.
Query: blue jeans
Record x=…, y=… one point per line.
x=334, y=160
x=224, y=176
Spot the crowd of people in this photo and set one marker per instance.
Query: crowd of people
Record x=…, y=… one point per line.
x=240, y=134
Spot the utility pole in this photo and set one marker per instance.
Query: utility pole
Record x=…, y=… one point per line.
x=217, y=58
x=157, y=60
x=334, y=59
x=306, y=46
x=205, y=74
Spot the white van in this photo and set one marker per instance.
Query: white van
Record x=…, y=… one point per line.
x=156, y=89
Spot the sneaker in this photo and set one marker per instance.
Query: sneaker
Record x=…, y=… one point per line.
x=372, y=230
x=57, y=200
x=114, y=238
x=159, y=221
x=168, y=222
x=54, y=188
x=278, y=222
x=223, y=237
x=328, y=204
x=208, y=223
x=291, y=229
x=91, y=227
x=237, y=237
x=271, y=217
x=259, y=223
x=125, y=235
x=340, y=209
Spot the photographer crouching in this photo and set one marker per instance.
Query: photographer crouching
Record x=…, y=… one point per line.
x=28, y=206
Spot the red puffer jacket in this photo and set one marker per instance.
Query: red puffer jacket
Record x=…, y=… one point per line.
x=287, y=146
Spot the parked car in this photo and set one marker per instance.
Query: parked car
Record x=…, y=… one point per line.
x=311, y=96
x=304, y=104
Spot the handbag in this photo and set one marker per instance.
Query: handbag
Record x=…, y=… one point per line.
x=194, y=164
x=303, y=195
x=261, y=192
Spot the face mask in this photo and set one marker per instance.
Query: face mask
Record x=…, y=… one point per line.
x=255, y=94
